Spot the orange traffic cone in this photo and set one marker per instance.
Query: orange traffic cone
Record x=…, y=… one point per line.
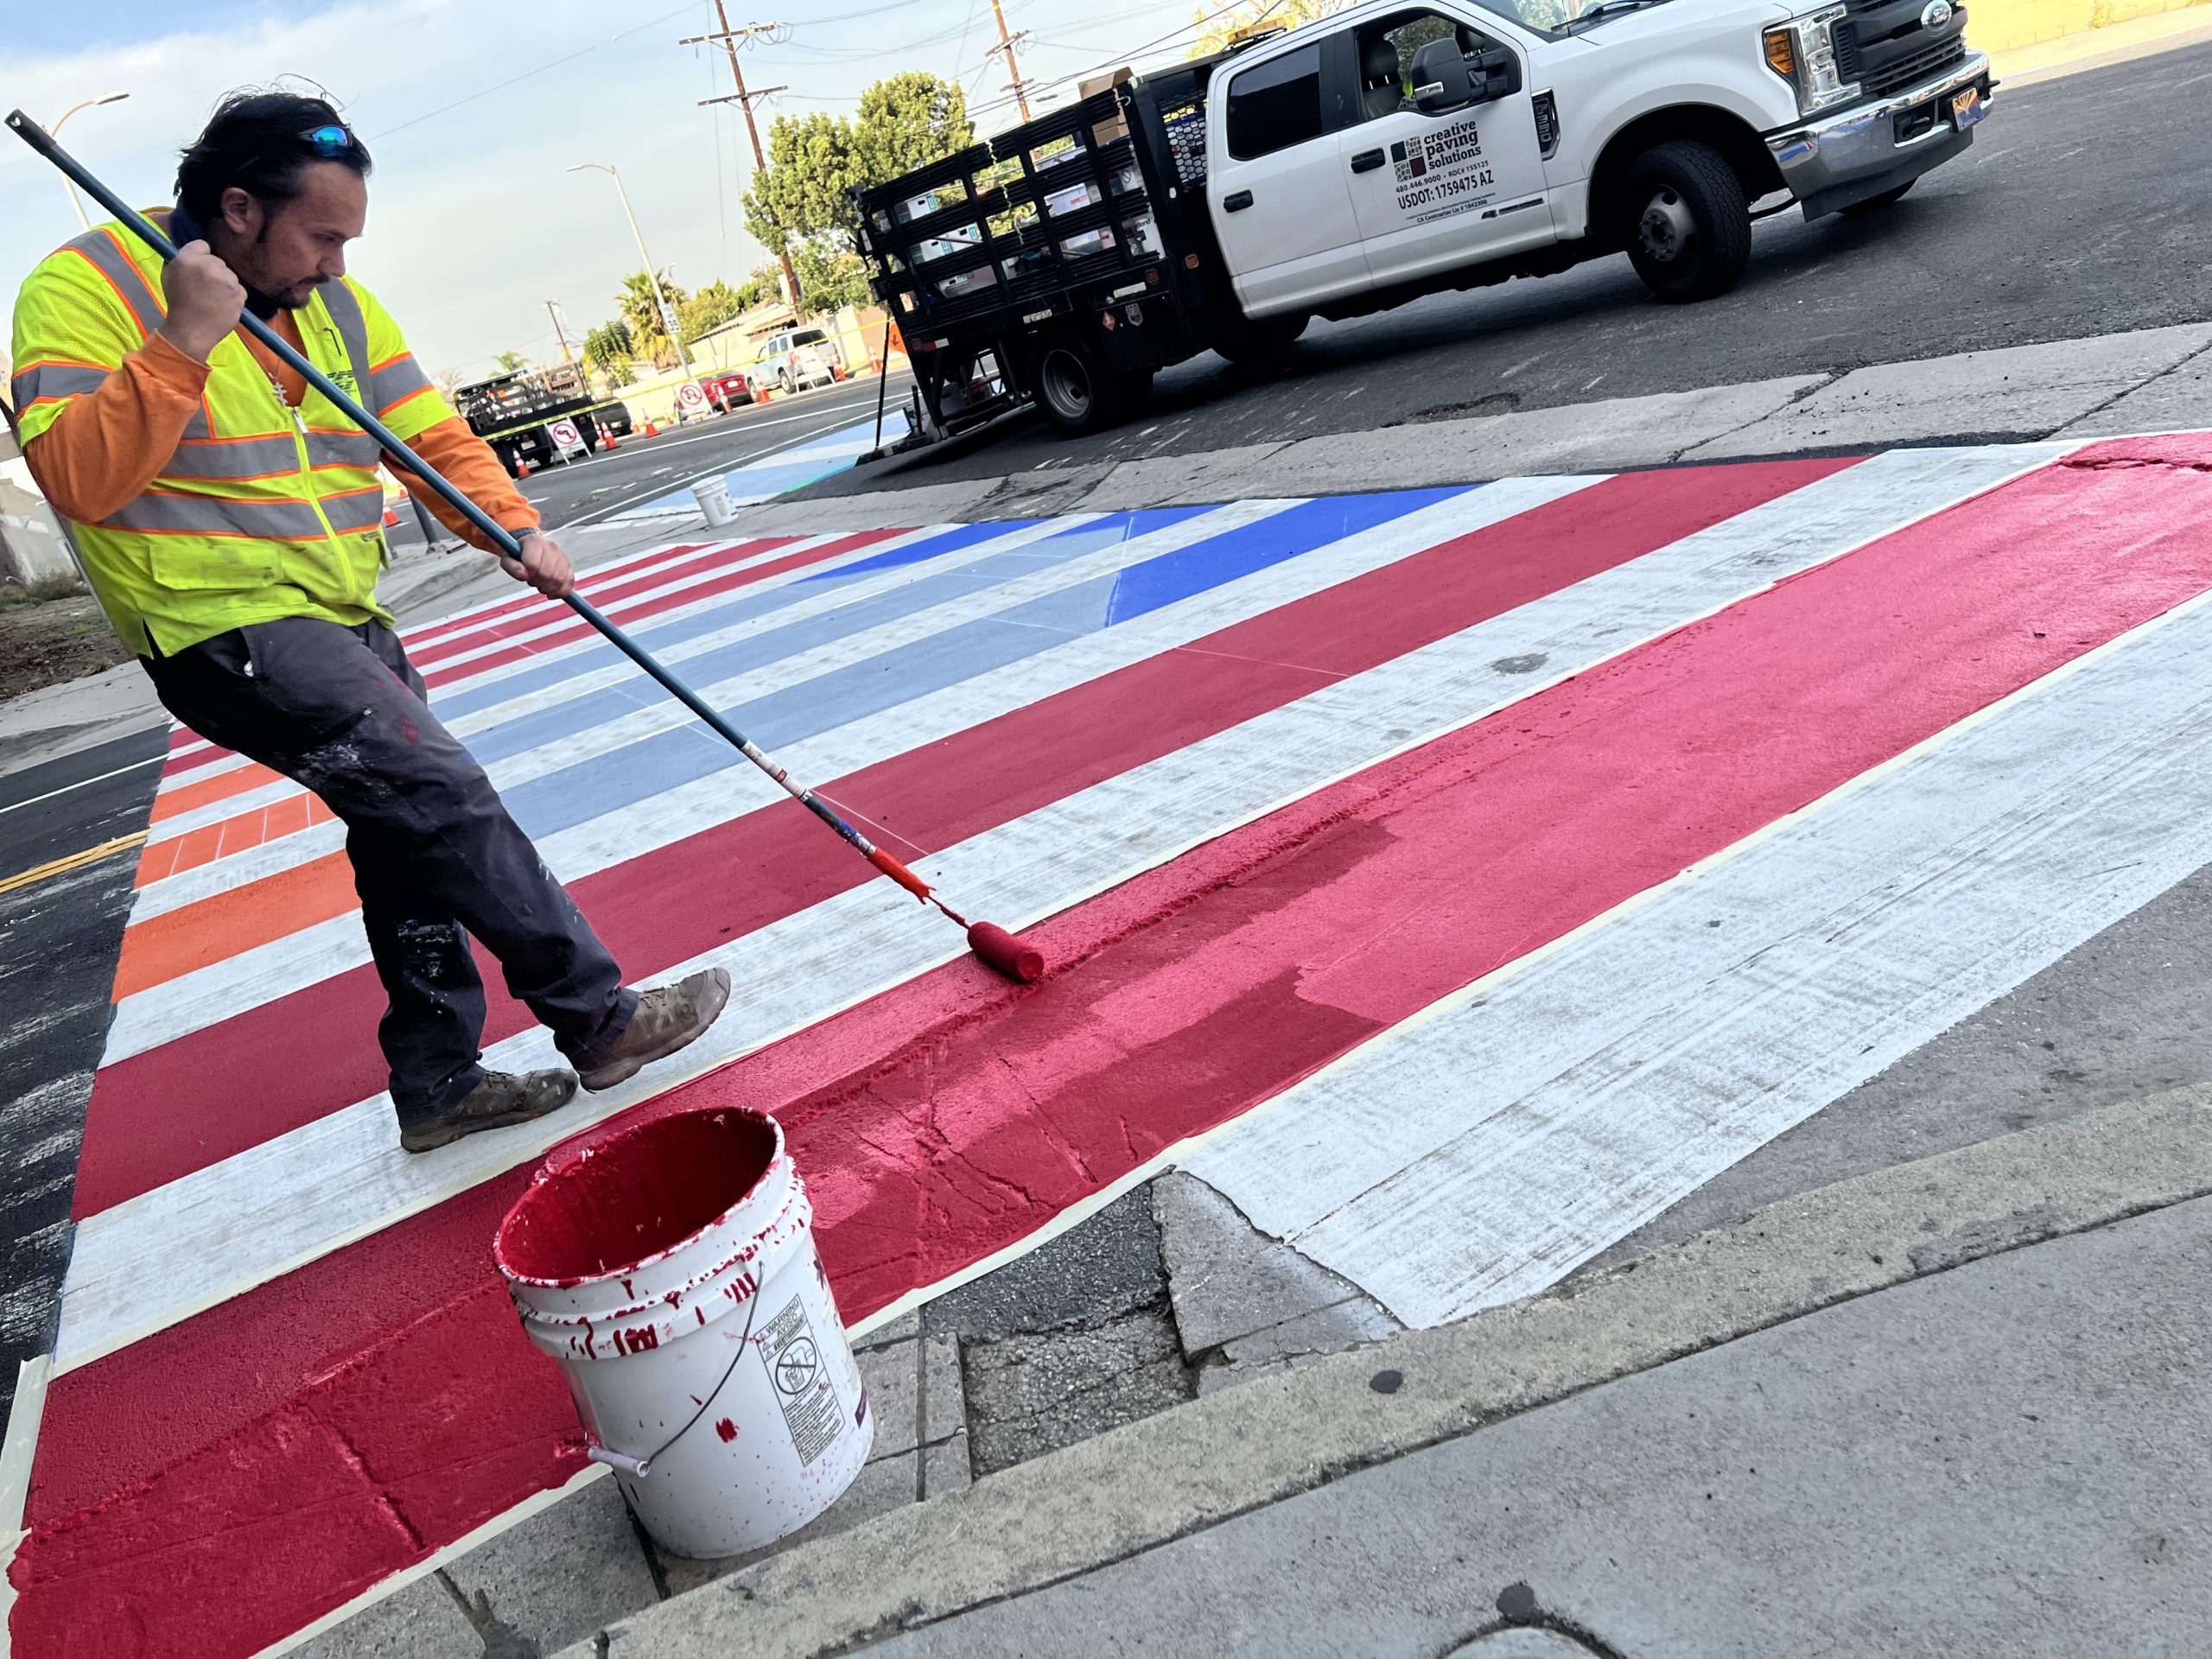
x=607, y=438
x=522, y=468
x=390, y=517
x=651, y=431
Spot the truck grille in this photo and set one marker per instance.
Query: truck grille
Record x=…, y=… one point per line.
x=1900, y=72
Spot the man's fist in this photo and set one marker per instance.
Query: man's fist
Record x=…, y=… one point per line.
x=205, y=298
x=543, y=565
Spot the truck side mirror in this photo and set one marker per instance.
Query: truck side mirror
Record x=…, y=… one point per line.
x=1442, y=82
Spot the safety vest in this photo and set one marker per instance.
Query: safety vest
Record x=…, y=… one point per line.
x=263, y=510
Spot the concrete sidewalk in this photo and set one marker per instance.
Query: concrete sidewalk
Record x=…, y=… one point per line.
x=2146, y=380
x=1955, y=1406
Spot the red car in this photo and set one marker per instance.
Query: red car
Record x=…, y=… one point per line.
x=726, y=392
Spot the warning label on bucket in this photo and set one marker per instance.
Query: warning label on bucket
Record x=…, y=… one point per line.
x=803, y=1388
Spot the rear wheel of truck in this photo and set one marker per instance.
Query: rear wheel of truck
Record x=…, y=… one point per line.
x=1077, y=392
x=506, y=451
x=1875, y=204
x=1263, y=341
x=1688, y=228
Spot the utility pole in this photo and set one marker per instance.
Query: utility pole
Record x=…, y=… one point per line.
x=731, y=39
x=1015, y=83
x=553, y=310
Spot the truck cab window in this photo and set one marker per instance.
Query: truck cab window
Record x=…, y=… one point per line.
x=1386, y=51
x=1276, y=104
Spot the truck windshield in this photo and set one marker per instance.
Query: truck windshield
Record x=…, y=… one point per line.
x=1545, y=17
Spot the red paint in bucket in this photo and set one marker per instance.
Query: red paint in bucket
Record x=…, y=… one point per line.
x=632, y=1197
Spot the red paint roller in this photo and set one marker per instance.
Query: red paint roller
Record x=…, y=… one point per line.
x=1001, y=949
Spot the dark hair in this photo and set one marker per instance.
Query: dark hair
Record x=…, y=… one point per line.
x=257, y=141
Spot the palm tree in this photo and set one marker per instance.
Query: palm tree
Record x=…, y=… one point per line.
x=641, y=310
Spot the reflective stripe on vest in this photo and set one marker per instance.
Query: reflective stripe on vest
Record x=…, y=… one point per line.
x=353, y=328
x=106, y=256
x=392, y=383
x=356, y=510
x=232, y=459
x=159, y=514
x=44, y=381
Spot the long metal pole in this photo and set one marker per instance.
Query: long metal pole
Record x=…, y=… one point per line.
x=500, y=538
x=753, y=128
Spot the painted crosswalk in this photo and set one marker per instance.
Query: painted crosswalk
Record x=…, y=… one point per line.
x=1454, y=878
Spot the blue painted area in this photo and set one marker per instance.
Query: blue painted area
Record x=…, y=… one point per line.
x=780, y=470
x=453, y=701
x=671, y=758
x=1171, y=576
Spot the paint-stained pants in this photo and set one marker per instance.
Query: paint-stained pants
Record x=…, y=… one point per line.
x=435, y=856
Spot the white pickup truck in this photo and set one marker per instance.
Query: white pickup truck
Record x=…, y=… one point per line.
x=1390, y=150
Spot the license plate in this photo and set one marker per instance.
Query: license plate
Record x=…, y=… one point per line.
x=1966, y=108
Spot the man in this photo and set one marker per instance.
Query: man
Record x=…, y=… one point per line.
x=230, y=521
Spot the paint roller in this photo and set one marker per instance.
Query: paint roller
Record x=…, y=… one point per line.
x=1011, y=955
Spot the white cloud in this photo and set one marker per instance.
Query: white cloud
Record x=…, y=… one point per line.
x=473, y=222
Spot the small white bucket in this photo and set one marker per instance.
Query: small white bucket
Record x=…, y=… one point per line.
x=670, y=1270
x=713, y=497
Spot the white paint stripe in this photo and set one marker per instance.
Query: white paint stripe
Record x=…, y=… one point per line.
x=276, y=1206
x=191, y=1002
x=285, y=852
x=1518, y=1129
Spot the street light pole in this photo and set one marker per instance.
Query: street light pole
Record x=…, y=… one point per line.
x=652, y=272
x=85, y=104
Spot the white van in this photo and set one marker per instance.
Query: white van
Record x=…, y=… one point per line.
x=798, y=358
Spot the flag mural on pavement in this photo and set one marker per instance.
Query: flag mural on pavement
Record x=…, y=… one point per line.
x=1453, y=878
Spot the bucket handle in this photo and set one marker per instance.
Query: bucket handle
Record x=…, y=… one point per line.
x=641, y=1467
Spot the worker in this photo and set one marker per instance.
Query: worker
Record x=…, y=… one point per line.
x=230, y=521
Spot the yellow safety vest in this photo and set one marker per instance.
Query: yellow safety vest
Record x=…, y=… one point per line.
x=263, y=510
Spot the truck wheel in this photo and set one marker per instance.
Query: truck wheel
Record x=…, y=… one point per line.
x=1262, y=341
x=506, y=451
x=1875, y=204
x=1688, y=228
x=1075, y=391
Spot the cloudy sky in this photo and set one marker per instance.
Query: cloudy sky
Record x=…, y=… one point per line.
x=475, y=108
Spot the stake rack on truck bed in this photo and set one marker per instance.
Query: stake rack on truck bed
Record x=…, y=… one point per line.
x=1066, y=259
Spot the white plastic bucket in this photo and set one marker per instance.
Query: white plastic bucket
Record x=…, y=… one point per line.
x=713, y=497
x=670, y=1270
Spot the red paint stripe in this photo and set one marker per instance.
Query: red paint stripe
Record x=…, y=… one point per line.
x=669, y=905
x=639, y=611
x=956, y=1114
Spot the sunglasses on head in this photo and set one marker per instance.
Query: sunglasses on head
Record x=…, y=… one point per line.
x=331, y=140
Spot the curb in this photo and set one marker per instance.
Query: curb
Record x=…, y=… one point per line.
x=1200, y=1463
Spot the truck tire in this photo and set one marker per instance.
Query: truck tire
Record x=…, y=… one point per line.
x=1688, y=229
x=1075, y=389
x=1875, y=204
x=1260, y=341
x=506, y=451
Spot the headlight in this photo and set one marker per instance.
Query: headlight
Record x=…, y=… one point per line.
x=1802, y=52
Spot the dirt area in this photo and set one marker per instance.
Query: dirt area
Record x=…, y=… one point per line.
x=51, y=631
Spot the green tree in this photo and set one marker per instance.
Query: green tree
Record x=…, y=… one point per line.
x=829, y=275
x=510, y=361
x=816, y=161
x=609, y=347
x=711, y=307
x=640, y=308
x=1218, y=34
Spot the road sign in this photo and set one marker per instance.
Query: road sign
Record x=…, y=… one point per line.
x=567, y=441
x=690, y=400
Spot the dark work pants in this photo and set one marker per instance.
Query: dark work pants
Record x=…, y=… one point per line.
x=435, y=857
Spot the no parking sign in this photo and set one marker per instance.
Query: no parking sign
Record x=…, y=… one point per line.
x=690, y=400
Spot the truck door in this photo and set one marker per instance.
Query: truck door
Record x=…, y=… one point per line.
x=1455, y=182
x=1279, y=197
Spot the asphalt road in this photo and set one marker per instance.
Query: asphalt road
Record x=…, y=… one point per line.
x=59, y=936
x=2074, y=213
x=585, y=491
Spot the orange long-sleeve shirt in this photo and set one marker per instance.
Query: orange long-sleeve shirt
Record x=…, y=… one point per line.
x=109, y=445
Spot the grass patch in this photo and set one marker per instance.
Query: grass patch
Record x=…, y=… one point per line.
x=44, y=590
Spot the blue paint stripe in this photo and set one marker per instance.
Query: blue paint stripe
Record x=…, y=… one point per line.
x=669, y=759
x=736, y=605
x=1171, y=576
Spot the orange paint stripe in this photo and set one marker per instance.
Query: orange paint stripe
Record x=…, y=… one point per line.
x=209, y=842
x=159, y=949
x=222, y=786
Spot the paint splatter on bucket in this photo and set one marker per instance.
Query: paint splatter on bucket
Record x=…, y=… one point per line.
x=670, y=1270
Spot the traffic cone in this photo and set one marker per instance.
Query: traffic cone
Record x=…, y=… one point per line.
x=607, y=439
x=522, y=469
x=390, y=517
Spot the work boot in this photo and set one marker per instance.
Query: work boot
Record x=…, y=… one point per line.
x=501, y=1100
x=668, y=1017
